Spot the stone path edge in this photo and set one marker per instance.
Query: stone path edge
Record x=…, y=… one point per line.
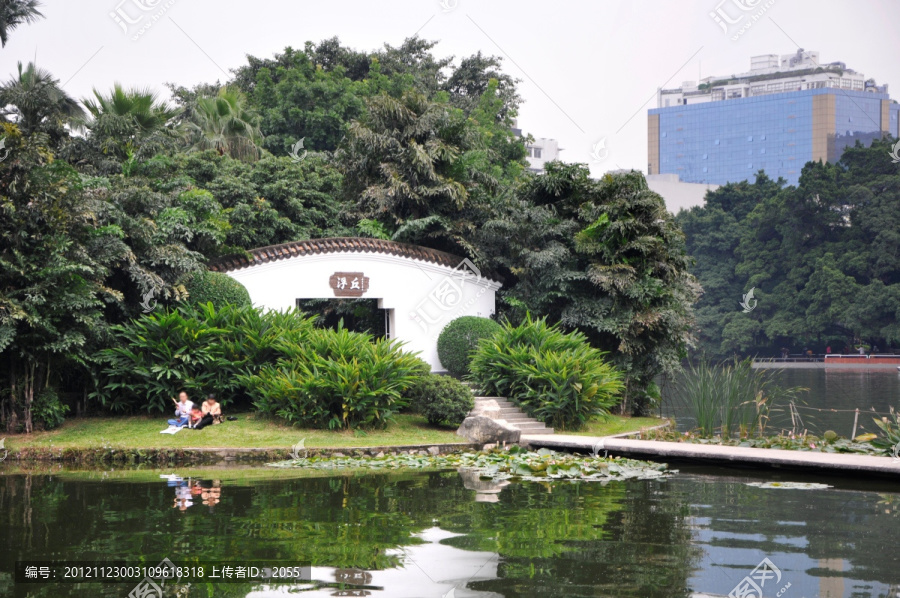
x=734, y=456
x=208, y=455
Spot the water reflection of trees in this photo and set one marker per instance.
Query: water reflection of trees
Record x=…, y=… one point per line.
x=631, y=537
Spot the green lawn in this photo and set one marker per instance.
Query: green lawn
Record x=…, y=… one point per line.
x=617, y=424
x=253, y=431
x=249, y=431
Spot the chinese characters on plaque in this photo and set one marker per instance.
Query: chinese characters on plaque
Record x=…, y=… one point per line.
x=348, y=284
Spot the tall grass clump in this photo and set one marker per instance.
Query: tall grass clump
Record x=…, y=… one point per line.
x=732, y=398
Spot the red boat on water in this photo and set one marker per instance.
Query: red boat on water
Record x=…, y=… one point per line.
x=865, y=361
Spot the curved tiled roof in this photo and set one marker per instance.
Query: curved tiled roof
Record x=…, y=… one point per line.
x=274, y=253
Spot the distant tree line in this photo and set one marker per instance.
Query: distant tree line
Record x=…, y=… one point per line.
x=823, y=259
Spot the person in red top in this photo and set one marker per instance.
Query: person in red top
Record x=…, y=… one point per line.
x=196, y=416
x=211, y=411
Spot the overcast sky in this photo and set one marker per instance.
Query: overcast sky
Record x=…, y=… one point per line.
x=589, y=69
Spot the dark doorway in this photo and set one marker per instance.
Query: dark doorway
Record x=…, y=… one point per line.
x=359, y=315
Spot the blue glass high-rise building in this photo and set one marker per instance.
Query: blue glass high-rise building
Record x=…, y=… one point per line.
x=776, y=118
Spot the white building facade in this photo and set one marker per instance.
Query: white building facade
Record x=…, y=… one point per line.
x=421, y=290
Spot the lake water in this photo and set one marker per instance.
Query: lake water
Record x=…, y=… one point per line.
x=828, y=405
x=443, y=534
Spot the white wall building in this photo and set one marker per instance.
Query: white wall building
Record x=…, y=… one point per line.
x=540, y=151
x=421, y=290
x=677, y=194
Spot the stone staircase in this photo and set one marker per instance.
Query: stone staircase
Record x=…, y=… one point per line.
x=515, y=417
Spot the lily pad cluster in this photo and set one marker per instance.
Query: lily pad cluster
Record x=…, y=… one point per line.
x=791, y=485
x=515, y=463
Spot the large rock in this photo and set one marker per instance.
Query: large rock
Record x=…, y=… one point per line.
x=485, y=430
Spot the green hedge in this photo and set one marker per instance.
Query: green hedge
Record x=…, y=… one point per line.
x=217, y=288
x=441, y=399
x=460, y=338
x=554, y=376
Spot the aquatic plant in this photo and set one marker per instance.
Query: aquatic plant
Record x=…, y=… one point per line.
x=732, y=398
x=515, y=463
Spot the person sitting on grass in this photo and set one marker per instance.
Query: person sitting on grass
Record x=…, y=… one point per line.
x=183, y=408
x=212, y=412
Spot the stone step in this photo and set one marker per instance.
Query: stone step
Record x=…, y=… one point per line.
x=510, y=411
x=515, y=417
x=532, y=425
x=538, y=431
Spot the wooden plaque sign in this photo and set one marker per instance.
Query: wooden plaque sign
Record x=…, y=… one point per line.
x=348, y=284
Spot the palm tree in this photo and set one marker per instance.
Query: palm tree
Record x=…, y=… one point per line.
x=226, y=124
x=38, y=102
x=14, y=13
x=129, y=121
x=406, y=165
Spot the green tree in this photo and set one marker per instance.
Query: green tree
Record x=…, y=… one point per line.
x=602, y=257
x=37, y=103
x=299, y=100
x=17, y=12
x=226, y=124
x=405, y=163
x=638, y=263
x=822, y=257
x=126, y=123
x=53, y=263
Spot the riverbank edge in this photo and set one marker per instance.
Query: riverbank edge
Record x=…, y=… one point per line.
x=728, y=456
x=212, y=455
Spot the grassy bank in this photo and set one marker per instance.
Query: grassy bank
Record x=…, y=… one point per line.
x=249, y=431
x=137, y=439
x=618, y=424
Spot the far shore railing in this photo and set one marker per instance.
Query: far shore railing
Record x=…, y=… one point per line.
x=834, y=358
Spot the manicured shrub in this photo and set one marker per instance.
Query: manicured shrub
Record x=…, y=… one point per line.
x=554, y=376
x=441, y=399
x=217, y=288
x=460, y=338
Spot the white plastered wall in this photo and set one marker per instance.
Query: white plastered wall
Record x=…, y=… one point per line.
x=421, y=297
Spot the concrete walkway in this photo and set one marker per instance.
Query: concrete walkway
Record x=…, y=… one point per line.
x=705, y=454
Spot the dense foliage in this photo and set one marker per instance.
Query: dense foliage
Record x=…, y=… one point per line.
x=396, y=143
x=554, y=376
x=460, y=338
x=217, y=288
x=823, y=258
x=334, y=379
x=199, y=349
x=441, y=399
x=604, y=258
x=277, y=360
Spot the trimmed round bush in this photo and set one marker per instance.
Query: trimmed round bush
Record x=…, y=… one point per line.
x=214, y=287
x=441, y=399
x=459, y=338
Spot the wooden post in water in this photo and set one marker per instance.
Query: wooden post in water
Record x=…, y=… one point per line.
x=855, y=419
